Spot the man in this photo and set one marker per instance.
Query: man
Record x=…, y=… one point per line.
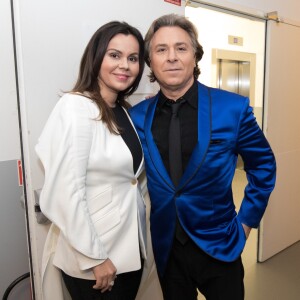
x=197, y=235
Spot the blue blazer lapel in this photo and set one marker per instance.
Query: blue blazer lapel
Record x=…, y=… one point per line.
x=204, y=135
x=152, y=148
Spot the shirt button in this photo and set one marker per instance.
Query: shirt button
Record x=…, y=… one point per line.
x=133, y=181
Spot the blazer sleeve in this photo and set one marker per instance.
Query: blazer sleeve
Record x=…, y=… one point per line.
x=259, y=165
x=64, y=149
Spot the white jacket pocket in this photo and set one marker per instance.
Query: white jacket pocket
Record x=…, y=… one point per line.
x=105, y=214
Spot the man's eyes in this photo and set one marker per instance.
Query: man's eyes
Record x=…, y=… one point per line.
x=179, y=49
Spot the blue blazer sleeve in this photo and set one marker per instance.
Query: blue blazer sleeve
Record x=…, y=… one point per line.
x=259, y=165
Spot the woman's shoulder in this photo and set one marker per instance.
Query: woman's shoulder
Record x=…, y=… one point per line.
x=71, y=98
x=76, y=101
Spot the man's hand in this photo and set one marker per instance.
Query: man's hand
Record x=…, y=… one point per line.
x=247, y=230
x=105, y=275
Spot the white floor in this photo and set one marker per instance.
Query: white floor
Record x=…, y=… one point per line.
x=276, y=279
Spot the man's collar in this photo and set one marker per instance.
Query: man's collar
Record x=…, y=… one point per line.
x=191, y=96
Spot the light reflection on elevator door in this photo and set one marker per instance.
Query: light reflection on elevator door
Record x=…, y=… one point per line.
x=234, y=76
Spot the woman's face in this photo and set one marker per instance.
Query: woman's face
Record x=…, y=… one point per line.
x=120, y=66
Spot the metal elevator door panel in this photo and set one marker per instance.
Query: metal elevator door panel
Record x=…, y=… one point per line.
x=244, y=78
x=234, y=76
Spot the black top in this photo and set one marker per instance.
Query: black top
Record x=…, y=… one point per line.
x=188, y=116
x=129, y=136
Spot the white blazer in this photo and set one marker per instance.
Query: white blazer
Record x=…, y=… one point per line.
x=90, y=192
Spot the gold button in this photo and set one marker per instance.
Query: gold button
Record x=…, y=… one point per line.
x=133, y=181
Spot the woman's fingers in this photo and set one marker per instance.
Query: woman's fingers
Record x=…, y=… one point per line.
x=105, y=275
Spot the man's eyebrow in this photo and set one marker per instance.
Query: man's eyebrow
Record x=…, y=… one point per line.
x=166, y=45
x=161, y=45
x=181, y=43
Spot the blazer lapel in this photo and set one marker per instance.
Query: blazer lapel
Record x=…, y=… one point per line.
x=152, y=148
x=204, y=134
x=141, y=166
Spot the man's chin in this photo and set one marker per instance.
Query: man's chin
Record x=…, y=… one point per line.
x=172, y=83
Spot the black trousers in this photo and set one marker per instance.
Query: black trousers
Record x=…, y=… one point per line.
x=189, y=269
x=125, y=288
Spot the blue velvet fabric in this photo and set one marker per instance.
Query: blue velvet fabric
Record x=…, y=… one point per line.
x=203, y=200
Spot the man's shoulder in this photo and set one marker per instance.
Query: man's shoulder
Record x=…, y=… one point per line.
x=144, y=103
x=141, y=107
x=218, y=92
x=139, y=111
x=226, y=94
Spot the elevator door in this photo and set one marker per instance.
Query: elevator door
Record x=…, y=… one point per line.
x=234, y=76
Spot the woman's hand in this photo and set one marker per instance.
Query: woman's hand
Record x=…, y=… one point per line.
x=105, y=275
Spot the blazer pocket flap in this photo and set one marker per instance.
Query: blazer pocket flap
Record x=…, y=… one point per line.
x=100, y=200
x=105, y=223
x=215, y=142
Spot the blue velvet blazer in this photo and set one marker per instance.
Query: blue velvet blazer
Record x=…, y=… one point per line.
x=203, y=200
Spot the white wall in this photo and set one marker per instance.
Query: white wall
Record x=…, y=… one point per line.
x=9, y=129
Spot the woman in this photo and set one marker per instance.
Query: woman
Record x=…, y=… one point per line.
x=92, y=159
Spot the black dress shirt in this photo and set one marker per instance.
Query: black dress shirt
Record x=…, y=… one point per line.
x=188, y=116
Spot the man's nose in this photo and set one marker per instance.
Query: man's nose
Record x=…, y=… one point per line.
x=172, y=55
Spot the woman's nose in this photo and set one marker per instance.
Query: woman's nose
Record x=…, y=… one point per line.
x=123, y=63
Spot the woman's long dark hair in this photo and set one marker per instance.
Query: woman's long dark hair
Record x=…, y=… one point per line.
x=91, y=62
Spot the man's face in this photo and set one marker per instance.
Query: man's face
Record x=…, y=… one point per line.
x=172, y=59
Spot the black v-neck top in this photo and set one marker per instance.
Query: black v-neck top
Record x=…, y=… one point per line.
x=129, y=136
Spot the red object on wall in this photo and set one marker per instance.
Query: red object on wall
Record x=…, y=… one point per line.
x=20, y=173
x=176, y=2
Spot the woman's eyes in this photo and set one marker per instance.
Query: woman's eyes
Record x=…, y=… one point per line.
x=114, y=55
x=133, y=58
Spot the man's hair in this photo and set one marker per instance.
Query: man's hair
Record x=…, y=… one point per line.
x=173, y=20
